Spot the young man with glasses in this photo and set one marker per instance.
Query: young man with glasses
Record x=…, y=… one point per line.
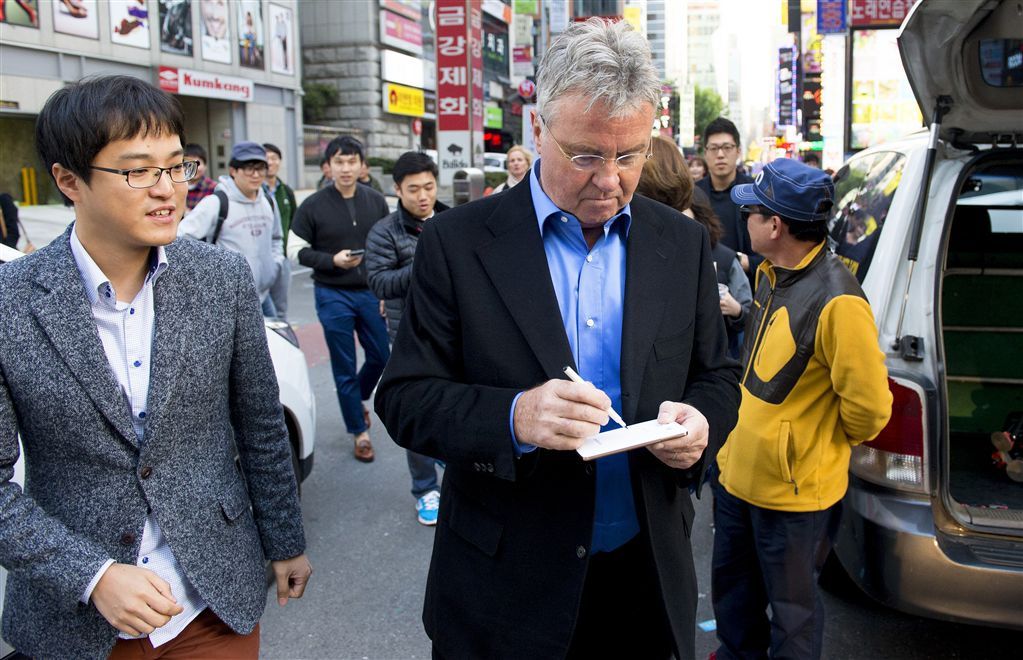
x=569, y=268
x=722, y=148
x=135, y=369
x=252, y=227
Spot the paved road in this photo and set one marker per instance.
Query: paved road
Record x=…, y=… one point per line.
x=370, y=556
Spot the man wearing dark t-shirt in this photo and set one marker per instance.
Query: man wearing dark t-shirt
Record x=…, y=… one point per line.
x=721, y=147
x=328, y=234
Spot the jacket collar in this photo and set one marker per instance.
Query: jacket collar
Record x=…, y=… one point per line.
x=414, y=225
x=782, y=277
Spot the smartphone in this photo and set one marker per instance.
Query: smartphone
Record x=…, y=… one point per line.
x=356, y=253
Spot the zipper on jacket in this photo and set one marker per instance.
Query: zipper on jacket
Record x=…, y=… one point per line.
x=760, y=335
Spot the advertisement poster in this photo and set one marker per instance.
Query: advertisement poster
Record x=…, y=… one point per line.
x=883, y=105
x=20, y=12
x=250, y=34
x=282, y=42
x=176, y=27
x=216, y=31
x=129, y=23
x=76, y=17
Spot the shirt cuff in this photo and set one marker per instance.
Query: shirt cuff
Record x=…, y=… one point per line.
x=520, y=449
x=87, y=594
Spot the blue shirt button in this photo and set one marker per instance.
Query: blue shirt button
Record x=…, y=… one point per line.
x=131, y=311
x=137, y=363
x=145, y=560
x=142, y=415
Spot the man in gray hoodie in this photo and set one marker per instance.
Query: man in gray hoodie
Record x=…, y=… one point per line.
x=252, y=227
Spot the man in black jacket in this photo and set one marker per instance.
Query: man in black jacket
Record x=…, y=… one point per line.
x=721, y=146
x=328, y=234
x=390, y=246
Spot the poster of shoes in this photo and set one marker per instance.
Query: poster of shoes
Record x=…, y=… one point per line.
x=176, y=27
x=282, y=45
x=216, y=32
x=77, y=17
x=250, y=34
x=20, y=12
x=129, y=23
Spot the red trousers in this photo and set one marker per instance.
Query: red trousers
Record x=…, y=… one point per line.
x=205, y=637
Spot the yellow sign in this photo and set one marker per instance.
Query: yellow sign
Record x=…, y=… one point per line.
x=402, y=100
x=633, y=15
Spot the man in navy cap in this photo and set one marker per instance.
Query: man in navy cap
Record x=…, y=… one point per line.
x=239, y=216
x=814, y=384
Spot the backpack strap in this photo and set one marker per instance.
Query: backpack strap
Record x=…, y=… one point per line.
x=222, y=196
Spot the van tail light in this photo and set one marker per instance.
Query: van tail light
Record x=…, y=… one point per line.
x=895, y=458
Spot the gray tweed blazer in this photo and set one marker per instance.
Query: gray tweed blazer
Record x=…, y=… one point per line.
x=212, y=389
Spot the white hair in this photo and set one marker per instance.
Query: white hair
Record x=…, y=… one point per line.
x=607, y=63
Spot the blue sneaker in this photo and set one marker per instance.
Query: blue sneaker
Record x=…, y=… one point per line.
x=427, y=506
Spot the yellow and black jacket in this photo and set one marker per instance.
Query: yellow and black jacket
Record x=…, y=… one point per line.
x=814, y=383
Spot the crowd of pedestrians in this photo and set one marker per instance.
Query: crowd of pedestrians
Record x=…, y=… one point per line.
x=709, y=299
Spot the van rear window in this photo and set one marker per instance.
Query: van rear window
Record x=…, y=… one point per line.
x=1001, y=62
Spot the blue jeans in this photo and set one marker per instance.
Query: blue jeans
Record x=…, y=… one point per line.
x=423, y=470
x=343, y=312
x=761, y=557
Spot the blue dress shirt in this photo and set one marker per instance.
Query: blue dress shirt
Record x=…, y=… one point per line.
x=590, y=286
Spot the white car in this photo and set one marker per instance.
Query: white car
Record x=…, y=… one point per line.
x=296, y=395
x=932, y=225
x=494, y=161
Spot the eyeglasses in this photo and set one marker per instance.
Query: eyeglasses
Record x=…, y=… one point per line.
x=147, y=177
x=747, y=211
x=593, y=162
x=254, y=168
x=720, y=148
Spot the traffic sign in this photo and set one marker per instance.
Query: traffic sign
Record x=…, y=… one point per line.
x=527, y=88
x=417, y=126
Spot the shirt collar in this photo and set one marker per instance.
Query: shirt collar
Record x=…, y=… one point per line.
x=97, y=284
x=544, y=206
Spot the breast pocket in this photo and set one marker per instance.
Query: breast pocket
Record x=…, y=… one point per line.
x=675, y=346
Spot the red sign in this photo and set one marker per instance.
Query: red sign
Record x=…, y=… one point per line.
x=401, y=32
x=204, y=83
x=417, y=126
x=459, y=46
x=526, y=89
x=878, y=13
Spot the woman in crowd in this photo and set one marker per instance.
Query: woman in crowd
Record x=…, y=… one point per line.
x=666, y=179
x=518, y=164
x=697, y=167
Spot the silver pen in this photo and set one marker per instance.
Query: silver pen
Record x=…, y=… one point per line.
x=576, y=378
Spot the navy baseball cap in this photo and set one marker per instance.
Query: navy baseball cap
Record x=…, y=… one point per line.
x=790, y=189
x=246, y=151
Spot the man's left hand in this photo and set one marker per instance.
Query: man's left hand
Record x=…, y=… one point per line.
x=292, y=575
x=682, y=453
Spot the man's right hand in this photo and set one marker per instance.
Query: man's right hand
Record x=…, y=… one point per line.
x=344, y=259
x=134, y=600
x=560, y=414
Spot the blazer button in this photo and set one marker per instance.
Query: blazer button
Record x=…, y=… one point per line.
x=146, y=471
x=588, y=468
x=490, y=467
x=127, y=539
x=580, y=552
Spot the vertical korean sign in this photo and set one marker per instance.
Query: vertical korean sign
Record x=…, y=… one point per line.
x=459, y=86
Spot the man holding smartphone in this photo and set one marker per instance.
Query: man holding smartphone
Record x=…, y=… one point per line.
x=328, y=234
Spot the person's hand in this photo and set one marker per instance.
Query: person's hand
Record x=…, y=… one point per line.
x=134, y=600
x=730, y=306
x=292, y=575
x=344, y=259
x=682, y=453
x=383, y=309
x=743, y=260
x=560, y=414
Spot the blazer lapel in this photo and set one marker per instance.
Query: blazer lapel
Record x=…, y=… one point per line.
x=174, y=332
x=517, y=266
x=66, y=318
x=648, y=280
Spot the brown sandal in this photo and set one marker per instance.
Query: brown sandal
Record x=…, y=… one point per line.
x=364, y=450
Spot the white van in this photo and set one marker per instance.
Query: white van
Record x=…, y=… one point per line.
x=932, y=226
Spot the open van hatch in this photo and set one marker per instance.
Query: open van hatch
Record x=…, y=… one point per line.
x=982, y=337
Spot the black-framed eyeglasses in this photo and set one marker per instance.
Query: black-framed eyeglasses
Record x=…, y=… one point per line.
x=147, y=177
x=721, y=148
x=594, y=162
x=747, y=210
x=254, y=167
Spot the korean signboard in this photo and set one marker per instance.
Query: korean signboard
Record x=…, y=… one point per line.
x=878, y=13
x=786, y=90
x=831, y=16
x=402, y=100
x=459, y=86
x=401, y=32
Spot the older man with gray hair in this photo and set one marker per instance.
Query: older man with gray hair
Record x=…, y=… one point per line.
x=540, y=554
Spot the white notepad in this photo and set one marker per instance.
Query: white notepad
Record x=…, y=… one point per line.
x=636, y=435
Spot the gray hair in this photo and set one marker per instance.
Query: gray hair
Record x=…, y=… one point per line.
x=602, y=61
